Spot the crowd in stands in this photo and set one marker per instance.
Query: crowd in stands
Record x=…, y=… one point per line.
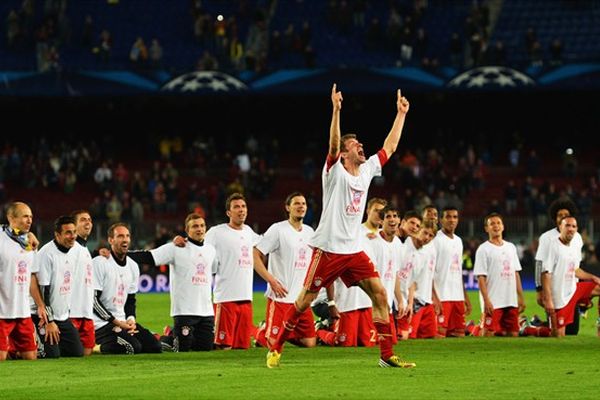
x=197, y=174
x=264, y=36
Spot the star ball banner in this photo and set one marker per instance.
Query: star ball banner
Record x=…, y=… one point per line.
x=298, y=81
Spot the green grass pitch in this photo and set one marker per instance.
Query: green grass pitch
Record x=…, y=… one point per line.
x=469, y=368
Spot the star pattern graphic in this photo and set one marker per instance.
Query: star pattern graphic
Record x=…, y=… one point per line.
x=205, y=82
x=491, y=77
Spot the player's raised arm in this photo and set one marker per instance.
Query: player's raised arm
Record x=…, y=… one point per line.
x=334, y=130
x=393, y=138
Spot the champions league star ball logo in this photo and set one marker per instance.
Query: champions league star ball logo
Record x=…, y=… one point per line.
x=207, y=82
x=491, y=78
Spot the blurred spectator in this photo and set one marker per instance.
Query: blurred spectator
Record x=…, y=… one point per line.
x=137, y=210
x=114, y=209
x=511, y=195
x=496, y=54
x=103, y=176
x=138, y=55
x=87, y=32
x=456, y=51
x=156, y=54
x=513, y=156
x=533, y=163
x=584, y=204
x=495, y=207
x=555, y=50
x=104, y=49
x=207, y=62
x=536, y=58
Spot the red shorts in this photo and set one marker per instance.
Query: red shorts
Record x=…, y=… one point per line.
x=276, y=312
x=424, y=323
x=566, y=315
x=393, y=330
x=20, y=332
x=403, y=324
x=452, y=317
x=326, y=267
x=87, y=334
x=233, y=324
x=502, y=320
x=356, y=328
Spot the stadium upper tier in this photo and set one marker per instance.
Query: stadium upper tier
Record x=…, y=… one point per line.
x=270, y=35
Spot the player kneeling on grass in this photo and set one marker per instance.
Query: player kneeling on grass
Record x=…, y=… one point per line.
x=116, y=283
x=190, y=275
x=57, y=267
x=497, y=269
x=561, y=269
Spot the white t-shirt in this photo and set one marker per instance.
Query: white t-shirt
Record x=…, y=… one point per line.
x=448, y=278
x=561, y=262
x=16, y=267
x=411, y=258
x=56, y=271
x=116, y=283
x=344, y=200
x=234, y=265
x=350, y=298
x=547, y=237
x=500, y=265
x=190, y=277
x=82, y=296
x=289, y=257
x=423, y=274
x=387, y=257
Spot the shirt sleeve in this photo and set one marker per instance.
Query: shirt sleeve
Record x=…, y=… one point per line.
x=135, y=270
x=374, y=163
x=44, y=262
x=549, y=262
x=383, y=158
x=99, y=265
x=164, y=254
x=34, y=267
x=330, y=161
x=211, y=239
x=542, y=251
x=480, y=262
x=516, y=260
x=269, y=241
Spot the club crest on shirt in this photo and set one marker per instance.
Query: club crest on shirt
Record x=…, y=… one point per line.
x=22, y=276
x=455, y=265
x=570, y=270
x=66, y=284
x=506, y=270
x=200, y=277
x=356, y=198
x=300, y=263
x=245, y=260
